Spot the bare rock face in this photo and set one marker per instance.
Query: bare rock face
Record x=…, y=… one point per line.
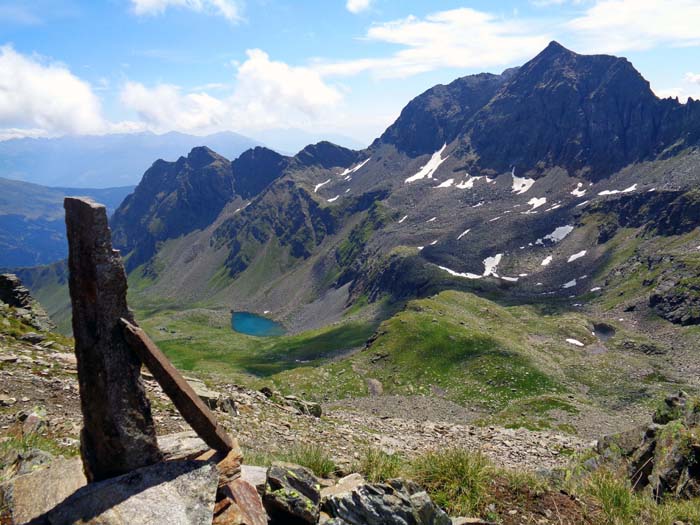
x=118, y=434
x=173, y=492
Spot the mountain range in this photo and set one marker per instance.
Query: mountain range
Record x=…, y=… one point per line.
x=495, y=183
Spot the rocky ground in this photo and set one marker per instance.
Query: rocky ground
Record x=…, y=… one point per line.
x=41, y=379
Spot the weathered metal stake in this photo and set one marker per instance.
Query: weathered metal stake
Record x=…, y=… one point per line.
x=118, y=433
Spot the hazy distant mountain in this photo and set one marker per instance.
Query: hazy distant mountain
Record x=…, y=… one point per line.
x=289, y=141
x=32, y=229
x=104, y=161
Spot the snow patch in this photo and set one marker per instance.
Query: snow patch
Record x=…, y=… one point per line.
x=521, y=184
x=613, y=192
x=579, y=192
x=575, y=342
x=596, y=289
x=446, y=184
x=557, y=235
x=430, y=168
x=464, y=233
x=353, y=170
x=431, y=220
x=575, y=256
x=546, y=261
x=465, y=275
x=334, y=198
x=319, y=186
x=478, y=204
x=537, y=202
x=570, y=284
x=491, y=265
x=403, y=219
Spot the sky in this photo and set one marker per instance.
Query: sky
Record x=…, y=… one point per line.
x=343, y=67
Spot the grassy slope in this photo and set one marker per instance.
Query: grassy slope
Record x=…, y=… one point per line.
x=511, y=362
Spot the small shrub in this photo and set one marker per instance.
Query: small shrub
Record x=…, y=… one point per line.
x=377, y=466
x=313, y=457
x=456, y=479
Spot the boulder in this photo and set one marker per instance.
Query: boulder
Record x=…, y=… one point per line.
x=172, y=492
x=292, y=495
x=397, y=502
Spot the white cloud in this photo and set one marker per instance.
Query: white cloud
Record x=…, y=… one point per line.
x=356, y=6
x=614, y=26
x=267, y=94
x=44, y=98
x=229, y=9
x=459, y=38
x=693, y=78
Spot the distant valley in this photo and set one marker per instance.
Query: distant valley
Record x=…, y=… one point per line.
x=32, y=228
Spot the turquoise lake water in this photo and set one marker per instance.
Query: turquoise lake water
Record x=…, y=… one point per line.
x=253, y=324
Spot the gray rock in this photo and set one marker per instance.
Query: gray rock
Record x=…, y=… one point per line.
x=33, y=337
x=292, y=495
x=172, y=492
x=397, y=502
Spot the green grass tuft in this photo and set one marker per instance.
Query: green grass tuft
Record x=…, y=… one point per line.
x=456, y=479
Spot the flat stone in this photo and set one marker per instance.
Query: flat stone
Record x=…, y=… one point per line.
x=172, y=492
x=33, y=494
x=256, y=476
x=182, y=445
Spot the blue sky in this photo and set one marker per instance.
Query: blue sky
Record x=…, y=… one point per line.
x=331, y=66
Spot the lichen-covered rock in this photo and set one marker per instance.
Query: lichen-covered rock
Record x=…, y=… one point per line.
x=292, y=495
x=396, y=502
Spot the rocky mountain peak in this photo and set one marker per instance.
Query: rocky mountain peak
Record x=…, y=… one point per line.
x=325, y=154
x=202, y=156
x=255, y=169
